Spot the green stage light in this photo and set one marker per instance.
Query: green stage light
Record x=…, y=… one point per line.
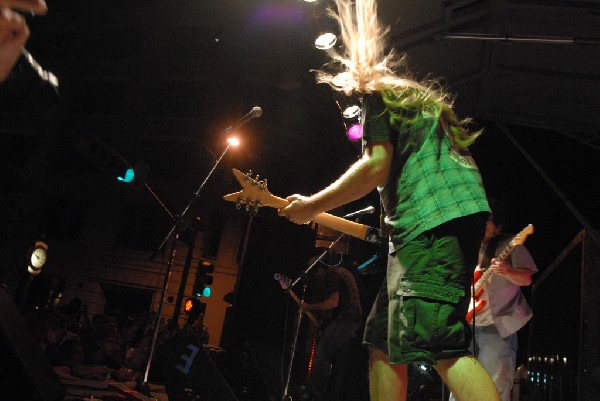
x=128, y=177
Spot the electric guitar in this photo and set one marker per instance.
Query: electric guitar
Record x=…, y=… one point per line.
x=284, y=282
x=481, y=276
x=255, y=194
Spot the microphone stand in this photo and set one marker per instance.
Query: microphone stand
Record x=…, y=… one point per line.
x=286, y=396
x=144, y=387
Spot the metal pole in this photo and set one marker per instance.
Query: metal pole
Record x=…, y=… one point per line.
x=522, y=38
x=554, y=187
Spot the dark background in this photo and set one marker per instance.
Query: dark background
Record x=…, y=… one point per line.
x=160, y=81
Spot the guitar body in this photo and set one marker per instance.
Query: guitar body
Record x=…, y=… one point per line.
x=479, y=304
x=477, y=274
x=481, y=276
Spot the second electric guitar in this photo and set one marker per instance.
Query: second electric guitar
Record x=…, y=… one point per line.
x=481, y=276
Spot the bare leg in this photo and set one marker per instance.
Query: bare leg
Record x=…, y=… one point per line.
x=386, y=382
x=467, y=379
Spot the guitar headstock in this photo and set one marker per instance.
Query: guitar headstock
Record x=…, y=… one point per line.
x=254, y=193
x=520, y=238
x=284, y=281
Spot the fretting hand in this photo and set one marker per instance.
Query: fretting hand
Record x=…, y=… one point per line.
x=500, y=268
x=301, y=210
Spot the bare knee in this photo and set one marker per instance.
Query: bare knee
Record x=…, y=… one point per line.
x=467, y=379
x=377, y=356
x=386, y=381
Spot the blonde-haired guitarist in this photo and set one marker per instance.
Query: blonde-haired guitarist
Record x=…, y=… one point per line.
x=416, y=155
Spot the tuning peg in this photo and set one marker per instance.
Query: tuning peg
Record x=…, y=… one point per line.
x=238, y=206
x=249, y=175
x=262, y=185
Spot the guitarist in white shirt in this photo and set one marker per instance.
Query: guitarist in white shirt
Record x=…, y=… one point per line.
x=505, y=308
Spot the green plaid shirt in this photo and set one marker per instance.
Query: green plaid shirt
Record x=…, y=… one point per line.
x=431, y=181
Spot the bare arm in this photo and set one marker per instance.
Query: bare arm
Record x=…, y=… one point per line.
x=519, y=270
x=371, y=170
x=520, y=277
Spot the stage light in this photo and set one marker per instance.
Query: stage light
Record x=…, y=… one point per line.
x=352, y=111
x=128, y=176
x=355, y=132
x=233, y=141
x=325, y=41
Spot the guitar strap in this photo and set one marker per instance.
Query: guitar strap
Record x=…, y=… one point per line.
x=385, y=230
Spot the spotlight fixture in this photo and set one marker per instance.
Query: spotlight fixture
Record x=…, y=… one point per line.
x=355, y=133
x=350, y=106
x=325, y=41
x=352, y=111
x=233, y=141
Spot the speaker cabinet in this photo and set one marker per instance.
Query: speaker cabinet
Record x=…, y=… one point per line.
x=186, y=366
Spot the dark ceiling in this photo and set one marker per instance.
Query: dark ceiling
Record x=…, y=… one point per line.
x=159, y=81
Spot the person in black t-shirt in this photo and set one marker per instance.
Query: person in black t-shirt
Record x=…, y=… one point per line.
x=341, y=304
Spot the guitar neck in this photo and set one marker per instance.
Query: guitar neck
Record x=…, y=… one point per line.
x=310, y=315
x=501, y=257
x=504, y=254
x=340, y=224
x=487, y=272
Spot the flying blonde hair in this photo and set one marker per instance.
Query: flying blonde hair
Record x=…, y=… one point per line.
x=364, y=68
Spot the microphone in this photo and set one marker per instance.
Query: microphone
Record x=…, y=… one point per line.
x=34, y=71
x=367, y=210
x=252, y=114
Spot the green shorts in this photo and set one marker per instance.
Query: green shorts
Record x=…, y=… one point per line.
x=419, y=312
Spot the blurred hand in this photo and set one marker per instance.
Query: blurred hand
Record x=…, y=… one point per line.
x=14, y=31
x=37, y=7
